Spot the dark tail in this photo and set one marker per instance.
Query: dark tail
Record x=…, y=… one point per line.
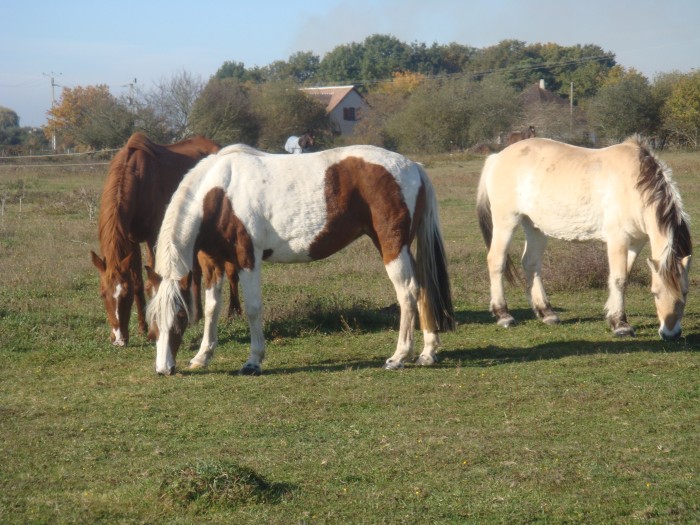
x=437, y=312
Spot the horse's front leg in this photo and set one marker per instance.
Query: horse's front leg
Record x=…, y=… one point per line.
x=213, y=280
x=252, y=302
x=139, y=291
x=617, y=283
x=400, y=272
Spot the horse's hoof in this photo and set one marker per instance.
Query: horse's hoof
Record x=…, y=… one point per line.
x=551, y=319
x=506, y=322
x=251, y=370
x=624, y=331
x=392, y=365
x=194, y=365
x=426, y=360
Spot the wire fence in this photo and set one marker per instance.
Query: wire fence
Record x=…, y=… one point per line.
x=48, y=160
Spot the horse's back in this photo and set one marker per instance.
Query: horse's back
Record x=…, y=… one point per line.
x=567, y=191
x=285, y=201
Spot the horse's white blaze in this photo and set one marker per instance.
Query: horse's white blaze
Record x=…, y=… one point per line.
x=165, y=362
x=117, y=336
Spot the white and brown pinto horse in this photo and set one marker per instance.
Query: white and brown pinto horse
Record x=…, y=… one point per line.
x=622, y=195
x=245, y=206
x=302, y=144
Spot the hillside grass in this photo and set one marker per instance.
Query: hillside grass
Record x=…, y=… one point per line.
x=535, y=424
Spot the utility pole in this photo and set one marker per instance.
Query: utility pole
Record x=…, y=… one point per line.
x=132, y=93
x=53, y=102
x=571, y=112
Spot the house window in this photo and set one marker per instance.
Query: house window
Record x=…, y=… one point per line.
x=349, y=114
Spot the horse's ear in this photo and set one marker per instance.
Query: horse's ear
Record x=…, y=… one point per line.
x=186, y=281
x=153, y=278
x=125, y=263
x=99, y=263
x=685, y=262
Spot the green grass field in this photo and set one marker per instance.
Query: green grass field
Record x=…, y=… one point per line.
x=535, y=424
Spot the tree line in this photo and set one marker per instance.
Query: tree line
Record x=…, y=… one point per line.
x=421, y=98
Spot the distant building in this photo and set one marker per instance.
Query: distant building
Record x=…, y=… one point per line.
x=344, y=106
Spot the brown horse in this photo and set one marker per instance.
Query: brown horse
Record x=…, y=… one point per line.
x=516, y=136
x=142, y=177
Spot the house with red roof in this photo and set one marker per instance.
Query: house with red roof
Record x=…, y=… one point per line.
x=344, y=106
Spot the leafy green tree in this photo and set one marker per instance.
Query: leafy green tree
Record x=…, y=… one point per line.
x=283, y=110
x=343, y=64
x=303, y=66
x=624, y=106
x=383, y=55
x=230, y=69
x=223, y=113
x=453, y=114
x=681, y=112
x=8, y=118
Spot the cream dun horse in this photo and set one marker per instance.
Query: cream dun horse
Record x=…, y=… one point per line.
x=622, y=195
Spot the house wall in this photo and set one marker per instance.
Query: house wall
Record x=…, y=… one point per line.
x=351, y=100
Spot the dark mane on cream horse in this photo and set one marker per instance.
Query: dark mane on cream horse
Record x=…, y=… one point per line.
x=622, y=195
x=242, y=206
x=142, y=177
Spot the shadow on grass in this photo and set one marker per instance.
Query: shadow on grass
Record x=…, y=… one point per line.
x=382, y=319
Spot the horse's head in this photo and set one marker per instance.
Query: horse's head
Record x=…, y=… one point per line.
x=530, y=132
x=670, y=289
x=307, y=139
x=168, y=316
x=117, y=291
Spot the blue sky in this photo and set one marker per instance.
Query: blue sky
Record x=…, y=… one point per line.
x=88, y=43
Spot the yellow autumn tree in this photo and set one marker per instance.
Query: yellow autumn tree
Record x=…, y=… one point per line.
x=87, y=116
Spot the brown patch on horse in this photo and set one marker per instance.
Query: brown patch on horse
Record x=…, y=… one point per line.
x=364, y=199
x=221, y=224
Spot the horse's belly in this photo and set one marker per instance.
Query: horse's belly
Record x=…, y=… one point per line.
x=571, y=223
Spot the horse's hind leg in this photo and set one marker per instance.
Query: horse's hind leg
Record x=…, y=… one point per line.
x=252, y=302
x=496, y=260
x=618, y=254
x=400, y=271
x=234, y=305
x=535, y=244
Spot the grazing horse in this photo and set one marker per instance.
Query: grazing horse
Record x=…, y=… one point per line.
x=244, y=207
x=301, y=144
x=142, y=177
x=622, y=195
x=517, y=136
